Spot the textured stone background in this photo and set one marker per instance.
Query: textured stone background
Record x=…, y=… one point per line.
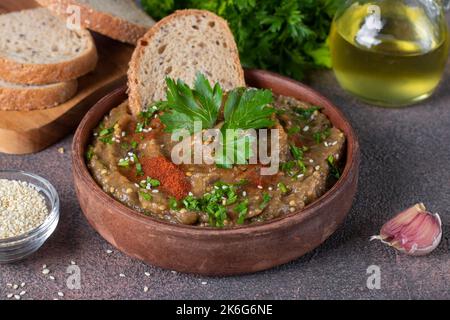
x=405, y=159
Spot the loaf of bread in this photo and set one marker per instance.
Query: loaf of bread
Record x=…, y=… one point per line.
x=17, y=97
x=121, y=20
x=179, y=46
x=37, y=48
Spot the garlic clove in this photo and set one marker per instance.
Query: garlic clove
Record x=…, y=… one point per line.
x=414, y=231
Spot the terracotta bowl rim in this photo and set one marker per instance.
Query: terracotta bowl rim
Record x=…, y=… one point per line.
x=352, y=164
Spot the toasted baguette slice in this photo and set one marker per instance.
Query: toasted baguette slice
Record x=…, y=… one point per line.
x=121, y=20
x=37, y=48
x=180, y=46
x=17, y=97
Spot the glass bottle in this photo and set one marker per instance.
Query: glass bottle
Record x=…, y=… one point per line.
x=390, y=52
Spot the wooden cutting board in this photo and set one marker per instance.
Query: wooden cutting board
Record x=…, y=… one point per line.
x=23, y=132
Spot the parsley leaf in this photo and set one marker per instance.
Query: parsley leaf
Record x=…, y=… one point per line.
x=184, y=105
x=334, y=170
x=241, y=209
x=306, y=114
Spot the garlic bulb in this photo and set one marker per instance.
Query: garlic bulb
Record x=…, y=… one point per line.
x=414, y=231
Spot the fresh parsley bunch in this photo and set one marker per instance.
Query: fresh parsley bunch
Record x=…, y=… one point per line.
x=286, y=36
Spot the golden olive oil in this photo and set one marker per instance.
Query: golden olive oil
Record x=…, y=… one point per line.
x=389, y=54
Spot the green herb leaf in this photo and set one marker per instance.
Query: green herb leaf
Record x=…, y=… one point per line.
x=125, y=163
x=266, y=200
x=184, y=106
x=334, y=170
x=90, y=152
x=146, y=196
x=248, y=109
x=282, y=187
x=241, y=209
x=173, y=203
x=306, y=114
x=322, y=135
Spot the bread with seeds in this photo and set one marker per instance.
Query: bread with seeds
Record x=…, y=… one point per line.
x=179, y=46
x=121, y=20
x=37, y=48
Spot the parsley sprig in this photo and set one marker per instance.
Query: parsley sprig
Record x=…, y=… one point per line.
x=244, y=109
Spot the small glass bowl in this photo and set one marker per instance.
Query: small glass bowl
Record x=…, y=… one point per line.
x=20, y=247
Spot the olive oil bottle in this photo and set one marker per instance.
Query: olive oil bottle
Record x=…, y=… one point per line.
x=389, y=52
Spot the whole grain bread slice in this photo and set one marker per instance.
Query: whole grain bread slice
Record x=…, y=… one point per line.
x=17, y=97
x=179, y=46
x=38, y=48
x=121, y=20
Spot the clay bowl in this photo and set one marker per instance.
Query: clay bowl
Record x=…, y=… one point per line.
x=210, y=251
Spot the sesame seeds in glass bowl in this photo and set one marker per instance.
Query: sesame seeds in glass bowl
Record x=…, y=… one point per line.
x=29, y=213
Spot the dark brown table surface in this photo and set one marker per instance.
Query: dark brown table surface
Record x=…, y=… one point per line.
x=405, y=159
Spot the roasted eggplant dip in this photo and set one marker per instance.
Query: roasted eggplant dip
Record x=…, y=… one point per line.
x=131, y=157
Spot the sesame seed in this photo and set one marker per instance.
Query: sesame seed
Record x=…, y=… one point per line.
x=72, y=263
x=155, y=191
x=22, y=284
x=44, y=266
x=17, y=297
x=325, y=144
x=311, y=161
x=60, y=294
x=174, y=272
x=244, y=193
x=292, y=203
x=15, y=287
x=306, y=128
x=317, y=168
x=204, y=282
x=22, y=208
x=147, y=274
x=146, y=289
x=300, y=176
x=270, y=188
x=191, y=194
x=259, y=187
x=45, y=271
x=51, y=278
x=22, y=292
x=121, y=275
x=291, y=209
x=61, y=150
x=9, y=295
x=108, y=251
x=9, y=284
x=188, y=174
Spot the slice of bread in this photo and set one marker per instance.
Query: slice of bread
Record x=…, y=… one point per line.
x=37, y=48
x=17, y=97
x=121, y=20
x=179, y=46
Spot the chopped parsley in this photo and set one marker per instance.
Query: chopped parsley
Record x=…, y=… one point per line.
x=241, y=209
x=293, y=130
x=134, y=144
x=139, y=170
x=146, y=196
x=266, y=200
x=214, y=203
x=297, y=166
x=282, y=187
x=106, y=135
x=173, y=203
x=334, y=170
x=124, y=163
x=322, y=135
x=90, y=152
x=306, y=114
x=149, y=183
